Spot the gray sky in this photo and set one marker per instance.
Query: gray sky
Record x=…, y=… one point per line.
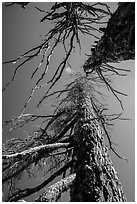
x=21, y=30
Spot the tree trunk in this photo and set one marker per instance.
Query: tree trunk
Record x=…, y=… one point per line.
x=96, y=179
x=118, y=41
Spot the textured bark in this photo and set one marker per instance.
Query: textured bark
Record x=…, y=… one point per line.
x=53, y=193
x=96, y=179
x=118, y=40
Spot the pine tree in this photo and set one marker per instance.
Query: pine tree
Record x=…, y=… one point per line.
x=72, y=144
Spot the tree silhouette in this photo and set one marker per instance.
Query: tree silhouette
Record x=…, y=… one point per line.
x=72, y=144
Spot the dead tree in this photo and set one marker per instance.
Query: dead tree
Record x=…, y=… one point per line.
x=72, y=142
x=95, y=177
x=87, y=169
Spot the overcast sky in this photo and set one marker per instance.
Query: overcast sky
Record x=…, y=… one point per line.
x=21, y=30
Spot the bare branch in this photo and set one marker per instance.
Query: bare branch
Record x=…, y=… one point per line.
x=26, y=158
x=69, y=20
x=23, y=119
x=38, y=150
x=41, y=10
x=29, y=191
x=63, y=64
x=53, y=193
x=110, y=143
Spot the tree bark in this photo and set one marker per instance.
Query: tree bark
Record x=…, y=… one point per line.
x=96, y=179
x=118, y=40
x=53, y=193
